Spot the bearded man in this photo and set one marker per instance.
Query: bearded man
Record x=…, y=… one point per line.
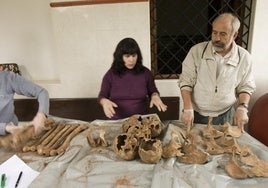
x=216, y=79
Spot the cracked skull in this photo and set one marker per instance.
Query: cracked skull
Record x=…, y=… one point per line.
x=150, y=151
x=126, y=146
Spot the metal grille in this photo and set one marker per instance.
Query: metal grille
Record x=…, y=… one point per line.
x=176, y=25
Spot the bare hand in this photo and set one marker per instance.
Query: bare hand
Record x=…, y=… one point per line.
x=108, y=107
x=39, y=122
x=156, y=100
x=12, y=129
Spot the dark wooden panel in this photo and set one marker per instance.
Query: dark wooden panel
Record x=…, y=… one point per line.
x=25, y=109
x=86, y=109
x=173, y=109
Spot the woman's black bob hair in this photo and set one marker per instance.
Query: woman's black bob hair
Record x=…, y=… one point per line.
x=126, y=46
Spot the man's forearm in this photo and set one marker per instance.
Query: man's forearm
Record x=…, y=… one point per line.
x=243, y=99
x=186, y=97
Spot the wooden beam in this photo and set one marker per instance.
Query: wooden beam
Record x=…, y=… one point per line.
x=91, y=2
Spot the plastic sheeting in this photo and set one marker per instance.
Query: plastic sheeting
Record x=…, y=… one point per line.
x=84, y=166
x=171, y=173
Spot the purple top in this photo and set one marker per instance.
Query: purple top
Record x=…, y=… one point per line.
x=129, y=92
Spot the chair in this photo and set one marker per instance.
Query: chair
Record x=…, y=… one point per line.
x=258, y=120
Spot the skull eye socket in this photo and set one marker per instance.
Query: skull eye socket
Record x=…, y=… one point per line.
x=157, y=126
x=121, y=141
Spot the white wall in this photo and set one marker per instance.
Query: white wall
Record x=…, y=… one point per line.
x=67, y=50
x=86, y=37
x=259, y=48
x=27, y=39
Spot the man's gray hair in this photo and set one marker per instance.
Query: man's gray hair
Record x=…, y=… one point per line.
x=234, y=20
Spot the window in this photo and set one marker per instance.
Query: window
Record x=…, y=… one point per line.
x=176, y=25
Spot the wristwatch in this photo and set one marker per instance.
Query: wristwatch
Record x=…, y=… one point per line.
x=244, y=105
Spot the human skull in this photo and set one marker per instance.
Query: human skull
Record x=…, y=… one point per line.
x=150, y=151
x=126, y=146
x=141, y=133
x=133, y=121
x=154, y=124
x=134, y=126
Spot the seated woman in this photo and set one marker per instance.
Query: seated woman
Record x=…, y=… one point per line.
x=127, y=84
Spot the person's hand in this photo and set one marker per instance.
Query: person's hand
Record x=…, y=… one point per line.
x=241, y=117
x=156, y=100
x=108, y=107
x=188, y=118
x=39, y=122
x=11, y=128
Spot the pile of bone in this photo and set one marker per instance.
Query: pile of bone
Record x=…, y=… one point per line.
x=194, y=147
x=23, y=135
x=139, y=138
x=243, y=163
x=55, y=140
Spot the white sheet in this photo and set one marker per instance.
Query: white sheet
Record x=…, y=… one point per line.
x=100, y=167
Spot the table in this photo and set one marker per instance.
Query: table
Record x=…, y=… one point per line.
x=84, y=166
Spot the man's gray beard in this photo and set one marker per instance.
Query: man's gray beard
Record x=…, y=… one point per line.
x=224, y=47
x=218, y=49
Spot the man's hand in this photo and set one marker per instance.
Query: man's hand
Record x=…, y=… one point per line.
x=156, y=100
x=188, y=118
x=108, y=107
x=39, y=122
x=241, y=117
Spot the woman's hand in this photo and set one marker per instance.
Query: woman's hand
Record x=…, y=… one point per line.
x=108, y=107
x=156, y=100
